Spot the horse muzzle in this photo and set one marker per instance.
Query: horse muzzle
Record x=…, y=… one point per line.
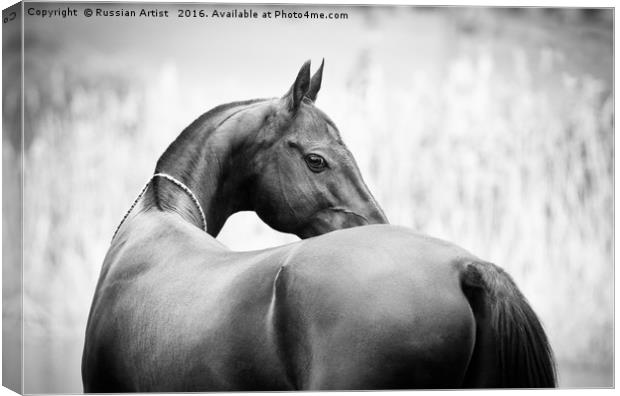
x=337, y=218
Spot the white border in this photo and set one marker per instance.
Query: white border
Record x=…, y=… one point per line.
x=484, y=3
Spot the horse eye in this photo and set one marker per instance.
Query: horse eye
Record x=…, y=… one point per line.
x=315, y=162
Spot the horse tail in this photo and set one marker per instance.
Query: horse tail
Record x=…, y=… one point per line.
x=511, y=348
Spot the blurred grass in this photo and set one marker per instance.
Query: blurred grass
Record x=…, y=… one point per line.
x=493, y=133
x=517, y=175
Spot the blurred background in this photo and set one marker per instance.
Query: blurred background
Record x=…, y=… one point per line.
x=491, y=128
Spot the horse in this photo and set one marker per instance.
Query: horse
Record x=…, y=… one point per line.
x=356, y=304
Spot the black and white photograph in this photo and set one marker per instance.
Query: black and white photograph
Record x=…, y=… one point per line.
x=250, y=197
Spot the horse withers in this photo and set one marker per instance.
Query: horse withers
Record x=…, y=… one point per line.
x=356, y=304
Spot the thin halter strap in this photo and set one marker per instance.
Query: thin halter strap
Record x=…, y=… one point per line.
x=174, y=181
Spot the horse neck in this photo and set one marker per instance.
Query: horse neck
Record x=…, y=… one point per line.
x=202, y=159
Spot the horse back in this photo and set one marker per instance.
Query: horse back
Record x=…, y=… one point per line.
x=364, y=308
x=374, y=307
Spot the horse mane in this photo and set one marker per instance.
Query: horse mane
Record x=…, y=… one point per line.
x=218, y=110
x=185, y=153
x=201, y=124
x=191, y=142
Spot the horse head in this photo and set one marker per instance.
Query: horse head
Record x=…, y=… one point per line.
x=305, y=180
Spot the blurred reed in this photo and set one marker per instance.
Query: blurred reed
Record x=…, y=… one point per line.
x=517, y=172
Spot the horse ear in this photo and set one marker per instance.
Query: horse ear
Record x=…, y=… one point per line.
x=298, y=90
x=315, y=83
